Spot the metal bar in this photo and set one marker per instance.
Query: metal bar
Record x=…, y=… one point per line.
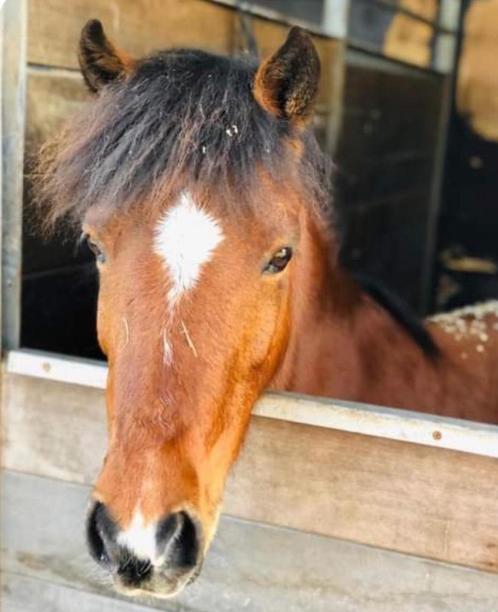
x=272, y=15
x=353, y=417
x=449, y=14
x=335, y=17
x=427, y=279
x=13, y=88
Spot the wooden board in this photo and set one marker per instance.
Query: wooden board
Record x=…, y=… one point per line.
x=22, y=594
x=249, y=567
x=426, y=501
x=139, y=26
x=143, y=26
x=359, y=418
x=476, y=89
x=53, y=95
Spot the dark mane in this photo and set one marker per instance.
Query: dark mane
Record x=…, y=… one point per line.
x=184, y=118
x=401, y=313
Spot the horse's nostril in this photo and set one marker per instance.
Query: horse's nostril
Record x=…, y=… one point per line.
x=99, y=528
x=178, y=537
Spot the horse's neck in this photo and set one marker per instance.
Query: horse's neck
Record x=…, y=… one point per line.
x=344, y=345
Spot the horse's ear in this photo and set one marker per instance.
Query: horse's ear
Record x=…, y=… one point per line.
x=286, y=84
x=100, y=61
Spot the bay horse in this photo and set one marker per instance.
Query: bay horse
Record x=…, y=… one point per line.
x=198, y=184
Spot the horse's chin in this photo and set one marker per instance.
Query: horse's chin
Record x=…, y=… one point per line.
x=160, y=585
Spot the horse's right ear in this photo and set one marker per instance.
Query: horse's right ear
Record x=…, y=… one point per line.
x=100, y=61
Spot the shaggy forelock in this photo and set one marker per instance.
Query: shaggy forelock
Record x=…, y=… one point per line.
x=184, y=118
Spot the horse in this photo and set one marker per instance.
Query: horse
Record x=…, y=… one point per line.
x=198, y=184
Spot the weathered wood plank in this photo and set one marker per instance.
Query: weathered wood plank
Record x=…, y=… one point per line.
x=431, y=502
x=22, y=594
x=251, y=567
x=139, y=26
x=52, y=96
x=143, y=26
x=476, y=90
x=354, y=417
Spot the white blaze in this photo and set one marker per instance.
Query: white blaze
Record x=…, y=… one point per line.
x=185, y=238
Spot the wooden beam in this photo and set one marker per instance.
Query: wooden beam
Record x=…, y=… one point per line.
x=13, y=88
x=61, y=368
x=139, y=26
x=366, y=419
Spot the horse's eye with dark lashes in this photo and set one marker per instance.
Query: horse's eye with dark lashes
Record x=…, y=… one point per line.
x=94, y=248
x=279, y=261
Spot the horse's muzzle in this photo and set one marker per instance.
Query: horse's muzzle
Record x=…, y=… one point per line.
x=158, y=560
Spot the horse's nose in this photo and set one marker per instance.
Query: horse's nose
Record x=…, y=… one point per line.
x=170, y=546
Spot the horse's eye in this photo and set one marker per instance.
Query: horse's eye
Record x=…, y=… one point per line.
x=94, y=248
x=279, y=260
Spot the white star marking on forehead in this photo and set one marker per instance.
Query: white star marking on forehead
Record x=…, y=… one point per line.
x=185, y=238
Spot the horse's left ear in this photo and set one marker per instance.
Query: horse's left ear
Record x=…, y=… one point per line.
x=286, y=84
x=100, y=61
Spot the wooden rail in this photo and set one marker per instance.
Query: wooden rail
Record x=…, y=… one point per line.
x=353, y=417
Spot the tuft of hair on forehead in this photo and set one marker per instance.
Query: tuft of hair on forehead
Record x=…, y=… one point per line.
x=184, y=119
